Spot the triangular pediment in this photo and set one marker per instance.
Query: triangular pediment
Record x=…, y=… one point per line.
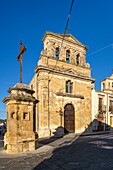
x=69, y=37
x=71, y=71
x=108, y=78
x=111, y=77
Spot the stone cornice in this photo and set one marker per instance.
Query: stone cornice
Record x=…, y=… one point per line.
x=21, y=87
x=52, y=57
x=108, y=78
x=103, y=93
x=20, y=98
x=20, y=92
x=39, y=68
x=26, y=90
x=69, y=95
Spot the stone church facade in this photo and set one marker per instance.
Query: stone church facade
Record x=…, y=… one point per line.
x=63, y=86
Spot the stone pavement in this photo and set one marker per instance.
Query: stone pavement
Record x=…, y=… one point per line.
x=68, y=153
x=29, y=160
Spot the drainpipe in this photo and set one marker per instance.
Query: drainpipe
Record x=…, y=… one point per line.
x=107, y=111
x=49, y=104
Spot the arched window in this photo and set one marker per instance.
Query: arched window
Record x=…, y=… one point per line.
x=77, y=59
x=108, y=85
x=69, y=86
x=104, y=86
x=57, y=53
x=68, y=56
x=32, y=86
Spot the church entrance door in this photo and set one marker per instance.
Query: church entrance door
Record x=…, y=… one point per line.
x=69, y=118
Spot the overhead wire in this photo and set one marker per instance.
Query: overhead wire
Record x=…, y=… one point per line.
x=67, y=22
x=105, y=36
x=100, y=49
x=66, y=27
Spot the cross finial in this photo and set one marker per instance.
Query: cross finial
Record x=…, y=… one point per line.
x=20, y=42
x=19, y=58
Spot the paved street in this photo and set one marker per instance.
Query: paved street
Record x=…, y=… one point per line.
x=93, y=152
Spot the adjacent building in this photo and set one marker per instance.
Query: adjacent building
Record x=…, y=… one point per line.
x=102, y=106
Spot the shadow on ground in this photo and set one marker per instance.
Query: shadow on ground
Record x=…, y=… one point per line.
x=46, y=141
x=85, y=153
x=67, y=152
x=59, y=133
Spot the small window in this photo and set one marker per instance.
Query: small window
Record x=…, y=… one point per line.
x=25, y=116
x=111, y=105
x=100, y=104
x=112, y=84
x=111, y=102
x=68, y=56
x=32, y=86
x=68, y=86
x=108, y=85
x=77, y=59
x=104, y=86
x=57, y=53
x=12, y=115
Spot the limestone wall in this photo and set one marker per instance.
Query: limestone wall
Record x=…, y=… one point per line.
x=53, y=98
x=62, y=59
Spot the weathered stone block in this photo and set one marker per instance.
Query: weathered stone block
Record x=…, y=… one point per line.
x=20, y=107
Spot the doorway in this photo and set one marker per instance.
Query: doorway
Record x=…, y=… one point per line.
x=69, y=118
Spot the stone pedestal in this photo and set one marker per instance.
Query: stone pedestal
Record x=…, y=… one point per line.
x=20, y=107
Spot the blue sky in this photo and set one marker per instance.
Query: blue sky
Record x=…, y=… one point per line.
x=91, y=23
